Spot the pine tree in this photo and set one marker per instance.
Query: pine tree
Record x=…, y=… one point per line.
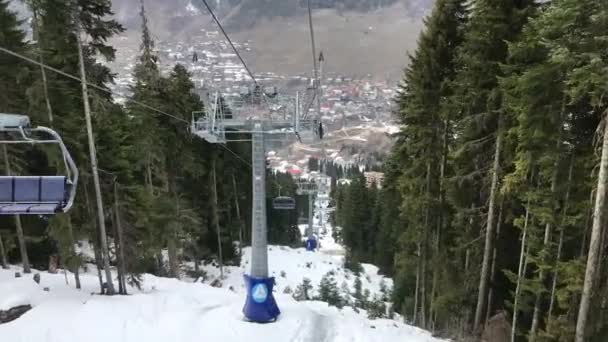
x=57, y=34
x=376, y=308
x=420, y=146
x=481, y=125
x=358, y=293
x=302, y=292
x=13, y=71
x=329, y=292
x=13, y=82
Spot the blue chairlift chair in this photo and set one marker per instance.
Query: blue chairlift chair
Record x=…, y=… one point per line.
x=35, y=195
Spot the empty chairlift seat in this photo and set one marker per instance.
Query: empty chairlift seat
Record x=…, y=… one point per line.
x=284, y=203
x=36, y=195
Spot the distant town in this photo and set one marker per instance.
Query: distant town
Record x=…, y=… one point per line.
x=354, y=111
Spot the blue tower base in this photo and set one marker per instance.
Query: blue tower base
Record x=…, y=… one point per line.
x=260, y=306
x=311, y=244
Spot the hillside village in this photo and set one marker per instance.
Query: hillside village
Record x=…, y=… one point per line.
x=354, y=110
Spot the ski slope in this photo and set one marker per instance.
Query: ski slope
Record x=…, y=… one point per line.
x=187, y=310
x=290, y=266
x=173, y=310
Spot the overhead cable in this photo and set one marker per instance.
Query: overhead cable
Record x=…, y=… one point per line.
x=92, y=85
x=217, y=21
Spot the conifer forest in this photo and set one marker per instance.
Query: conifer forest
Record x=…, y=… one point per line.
x=494, y=198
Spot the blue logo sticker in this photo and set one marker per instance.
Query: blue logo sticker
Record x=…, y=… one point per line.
x=259, y=293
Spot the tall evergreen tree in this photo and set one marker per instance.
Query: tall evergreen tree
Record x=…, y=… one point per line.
x=14, y=81
x=422, y=142
x=481, y=124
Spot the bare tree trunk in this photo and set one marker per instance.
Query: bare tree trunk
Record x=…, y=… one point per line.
x=467, y=257
x=45, y=88
x=120, y=251
x=76, y=268
x=561, y=239
x=417, y=290
x=588, y=217
x=594, y=242
x=485, y=266
x=119, y=273
x=434, y=281
x=467, y=254
x=493, y=271
x=22, y=247
x=440, y=220
x=215, y=218
x=99, y=264
x=521, y=272
x=149, y=183
x=100, y=213
x=172, y=247
x=423, y=292
x=96, y=253
x=424, y=250
x=238, y=217
x=3, y=255
x=196, y=265
x=19, y=228
x=546, y=241
x=120, y=278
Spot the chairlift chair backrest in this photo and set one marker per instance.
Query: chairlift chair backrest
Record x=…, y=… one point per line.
x=39, y=195
x=284, y=203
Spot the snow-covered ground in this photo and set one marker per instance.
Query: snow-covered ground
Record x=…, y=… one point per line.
x=172, y=310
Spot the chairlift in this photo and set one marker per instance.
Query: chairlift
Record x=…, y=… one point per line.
x=35, y=195
x=270, y=91
x=284, y=203
x=244, y=91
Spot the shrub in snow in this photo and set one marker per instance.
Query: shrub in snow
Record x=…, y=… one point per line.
x=346, y=296
x=309, y=264
x=199, y=275
x=17, y=275
x=37, y=278
x=217, y=282
x=283, y=274
x=329, y=292
x=391, y=312
x=358, y=294
x=303, y=290
x=376, y=308
x=385, y=291
x=287, y=290
x=135, y=280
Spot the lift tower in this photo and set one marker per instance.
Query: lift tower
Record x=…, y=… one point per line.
x=261, y=115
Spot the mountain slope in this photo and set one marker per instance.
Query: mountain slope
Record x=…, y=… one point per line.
x=172, y=310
